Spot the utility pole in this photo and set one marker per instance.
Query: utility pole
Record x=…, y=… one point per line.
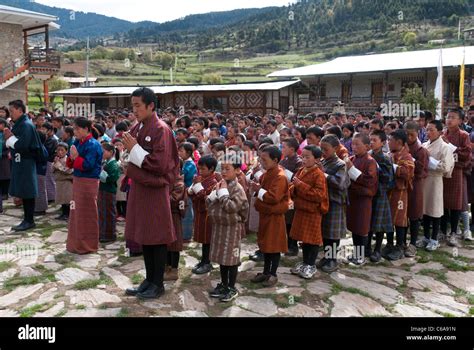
x=87, y=63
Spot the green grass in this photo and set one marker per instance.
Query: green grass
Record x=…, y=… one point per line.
x=80, y=307
x=336, y=288
x=436, y=274
x=93, y=283
x=137, y=278
x=471, y=311
x=30, y=311
x=64, y=258
x=123, y=313
x=5, y=265
x=16, y=281
x=447, y=260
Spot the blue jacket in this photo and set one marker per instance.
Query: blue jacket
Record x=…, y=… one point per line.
x=89, y=163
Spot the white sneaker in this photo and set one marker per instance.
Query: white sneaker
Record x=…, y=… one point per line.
x=422, y=243
x=467, y=235
x=432, y=246
x=297, y=268
x=452, y=240
x=308, y=272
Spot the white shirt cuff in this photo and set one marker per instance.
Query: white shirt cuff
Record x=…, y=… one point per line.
x=258, y=175
x=248, y=177
x=395, y=167
x=198, y=188
x=137, y=155
x=261, y=193
x=354, y=173
x=222, y=193
x=11, y=142
x=190, y=190
x=213, y=196
x=289, y=175
x=326, y=175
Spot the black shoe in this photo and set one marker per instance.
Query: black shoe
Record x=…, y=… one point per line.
x=231, y=294
x=62, y=217
x=203, y=269
x=152, y=292
x=387, y=250
x=24, y=226
x=357, y=261
x=40, y=213
x=219, y=291
x=292, y=251
x=257, y=256
x=106, y=240
x=134, y=255
x=134, y=291
x=330, y=266
x=322, y=262
x=375, y=257
x=397, y=253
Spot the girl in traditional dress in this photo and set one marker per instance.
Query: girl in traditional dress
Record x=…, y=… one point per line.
x=63, y=177
x=228, y=211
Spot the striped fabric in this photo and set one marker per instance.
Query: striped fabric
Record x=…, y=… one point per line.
x=41, y=202
x=50, y=182
x=83, y=230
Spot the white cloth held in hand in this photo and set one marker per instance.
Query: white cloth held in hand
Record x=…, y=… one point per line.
x=198, y=188
x=137, y=155
x=354, y=173
x=433, y=163
x=289, y=174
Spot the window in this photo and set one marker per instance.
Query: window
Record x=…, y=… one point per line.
x=215, y=103
x=453, y=90
x=345, y=91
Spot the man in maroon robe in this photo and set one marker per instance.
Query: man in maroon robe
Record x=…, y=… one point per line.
x=153, y=168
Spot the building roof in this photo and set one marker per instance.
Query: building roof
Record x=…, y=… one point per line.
x=164, y=89
x=79, y=80
x=27, y=19
x=383, y=62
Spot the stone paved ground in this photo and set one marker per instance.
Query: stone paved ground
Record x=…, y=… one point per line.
x=39, y=278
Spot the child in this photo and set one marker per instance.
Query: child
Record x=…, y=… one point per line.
x=4, y=164
x=404, y=168
x=106, y=201
x=362, y=170
x=121, y=195
x=291, y=163
x=415, y=197
x=203, y=185
x=334, y=225
x=348, y=134
x=228, y=211
x=63, y=177
x=441, y=163
x=309, y=193
x=178, y=210
x=381, y=215
x=189, y=170
x=273, y=200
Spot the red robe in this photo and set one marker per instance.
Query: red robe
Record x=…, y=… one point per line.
x=149, y=219
x=202, y=226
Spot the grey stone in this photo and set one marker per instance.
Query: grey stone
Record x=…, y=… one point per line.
x=122, y=281
x=441, y=303
x=406, y=310
x=350, y=305
x=91, y=297
x=265, y=307
x=422, y=282
x=71, y=276
x=461, y=280
x=300, y=310
x=235, y=311
x=18, y=294
x=188, y=302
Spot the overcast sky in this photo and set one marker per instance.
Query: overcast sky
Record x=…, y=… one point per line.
x=158, y=10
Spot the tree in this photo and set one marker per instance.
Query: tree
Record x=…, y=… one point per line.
x=409, y=39
x=415, y=96
x=212, y=78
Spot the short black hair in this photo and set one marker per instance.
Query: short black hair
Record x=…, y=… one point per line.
x=377, y=122
x=209, y=162
x=182, y=131
x=412, y=126
x=400, y=135
x=335, y=130
x=315, y=150
x=48, y=126
x=194, y=141
x=302, y=131
x=266, y=140
x=272, y=122
x=69, y=130
x=121, y=127
x=18, y=104
x=349, y=127
x=438, y=124
x=249, y=144
x=315, y=130
x=274, y=153
x=380, y=134
x=3, y=122
x=364, y=138
x=331, y=139
x=148, y=96
x=291, y=142
x=84, y=123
